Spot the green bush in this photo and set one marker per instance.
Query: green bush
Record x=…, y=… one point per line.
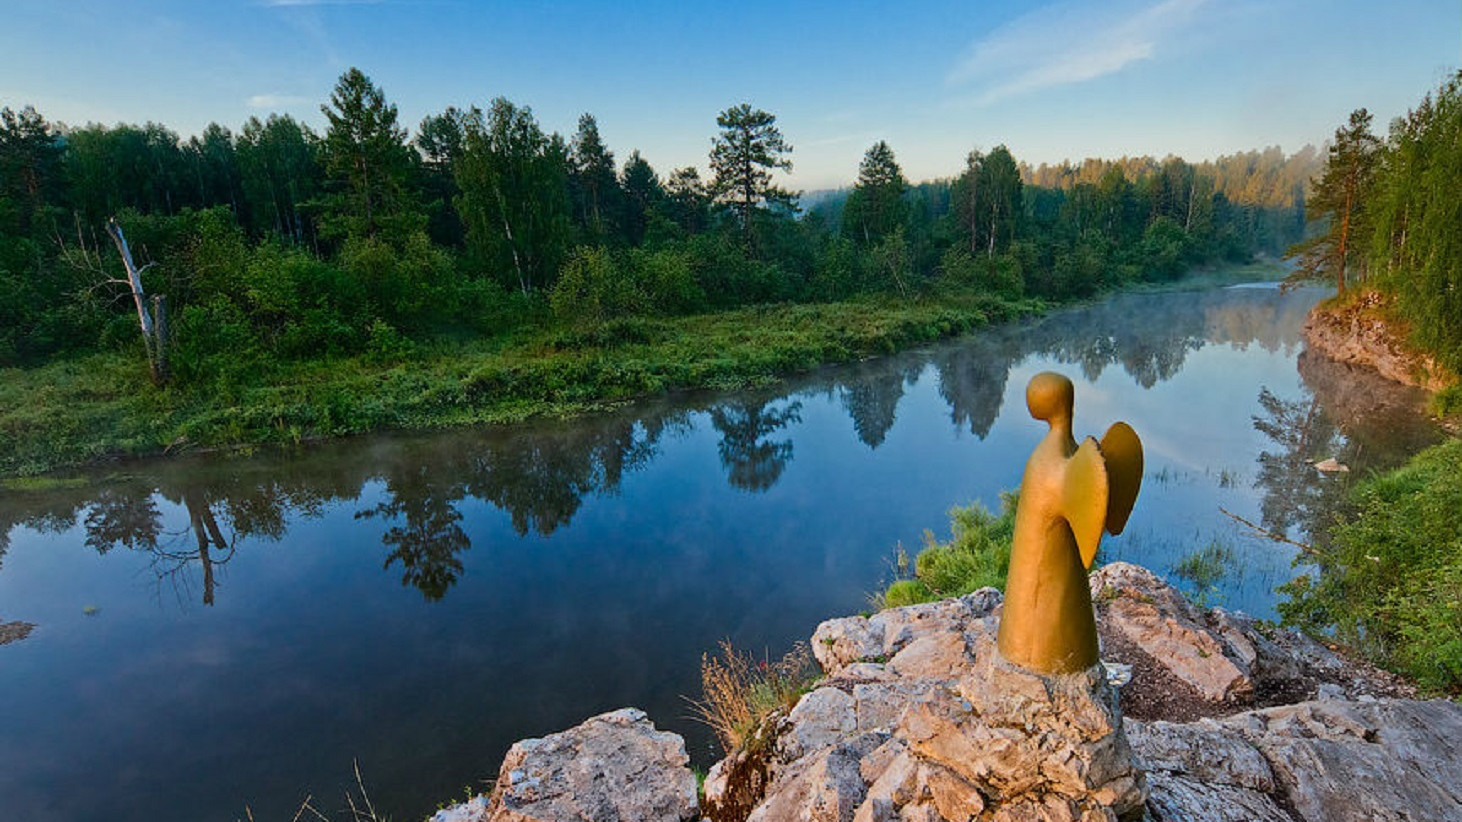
x=1388, y=577
x=976, y=556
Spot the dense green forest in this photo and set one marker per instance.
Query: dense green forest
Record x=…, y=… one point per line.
x=1392, y=219
x=274, y=265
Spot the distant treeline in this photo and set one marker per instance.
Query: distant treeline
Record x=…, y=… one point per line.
x=277, y=243
x=1392, y=216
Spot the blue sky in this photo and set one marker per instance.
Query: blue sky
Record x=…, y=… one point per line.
x=1197, y=78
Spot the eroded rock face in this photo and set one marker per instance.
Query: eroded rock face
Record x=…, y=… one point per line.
x=1327, y=760
x=1355, y=334
x=613, y=767
x=920, y=719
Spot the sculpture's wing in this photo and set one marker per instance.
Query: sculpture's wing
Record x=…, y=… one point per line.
x=1123, y=452
x=1084, y=498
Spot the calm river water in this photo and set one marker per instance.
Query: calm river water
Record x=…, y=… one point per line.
x=222, y=635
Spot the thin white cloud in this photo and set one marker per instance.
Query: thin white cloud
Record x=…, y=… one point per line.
x=1065, y=44
x=276, y=100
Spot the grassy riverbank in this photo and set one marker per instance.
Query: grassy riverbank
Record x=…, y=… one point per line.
x=102, y=406
x=1387, y=578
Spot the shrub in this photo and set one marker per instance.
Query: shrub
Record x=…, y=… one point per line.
x=1388, y=578
x=976, y=556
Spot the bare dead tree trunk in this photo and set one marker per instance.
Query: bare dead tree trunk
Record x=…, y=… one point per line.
x=153, y=340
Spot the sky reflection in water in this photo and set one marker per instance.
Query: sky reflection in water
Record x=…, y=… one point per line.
x=221, y=633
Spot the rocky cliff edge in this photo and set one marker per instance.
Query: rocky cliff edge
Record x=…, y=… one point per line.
x=1199, y=715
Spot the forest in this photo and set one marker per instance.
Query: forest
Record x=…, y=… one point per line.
x=267, y=259
x=1391, y=215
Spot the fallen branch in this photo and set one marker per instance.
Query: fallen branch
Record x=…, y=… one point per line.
x=1274, y=535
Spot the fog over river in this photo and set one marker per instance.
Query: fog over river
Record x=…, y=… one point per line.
x=220, y=633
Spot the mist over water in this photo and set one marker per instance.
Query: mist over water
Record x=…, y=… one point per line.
x=219, y=633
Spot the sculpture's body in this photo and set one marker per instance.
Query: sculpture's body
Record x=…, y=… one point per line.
x=1068, y=496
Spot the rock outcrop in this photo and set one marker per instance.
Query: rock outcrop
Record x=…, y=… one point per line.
x=614, y=767
x=919, y=719
x=1355, y=333
x=1319, y=761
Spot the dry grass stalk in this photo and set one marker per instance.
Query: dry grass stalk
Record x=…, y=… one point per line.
x=739, y=692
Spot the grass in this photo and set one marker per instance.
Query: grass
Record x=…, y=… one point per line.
x=738, y=693
x=1387, y=579
x=102, y=406
x=1204, y=567
x=358, y=807
x=977, y=555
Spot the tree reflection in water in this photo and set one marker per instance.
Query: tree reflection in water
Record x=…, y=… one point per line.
x=540, y=474
x=752, y=462
x=871, y=396
x=1295, y=494
x=1352, y=415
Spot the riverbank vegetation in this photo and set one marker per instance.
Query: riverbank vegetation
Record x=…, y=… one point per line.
x=272, y=284
x=1389, y=216
x=976, y=555
x=1387, y=577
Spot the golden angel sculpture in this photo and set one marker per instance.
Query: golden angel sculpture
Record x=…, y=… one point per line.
x=1068, y=496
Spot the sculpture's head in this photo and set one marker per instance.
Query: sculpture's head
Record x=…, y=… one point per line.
x=1049, y=396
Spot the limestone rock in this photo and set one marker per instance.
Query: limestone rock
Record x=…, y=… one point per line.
x=824, y=787
x=946, y=730
x=838, y=643
x=1354, y=333
x=1151, y=614
x=1331, y=761
x=1384, y=759
x=615, y=766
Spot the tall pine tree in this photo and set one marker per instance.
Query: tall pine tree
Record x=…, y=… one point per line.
x=367, y=164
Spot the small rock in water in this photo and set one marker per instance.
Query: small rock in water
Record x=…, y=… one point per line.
x=1331, y=466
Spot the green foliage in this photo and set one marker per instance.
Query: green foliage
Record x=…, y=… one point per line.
x=1448, y=401
x=1340, y=198
x=1388, y=579
x=743, y=156
x=1204, y=567
x=1415, y=248
x=367, y=165
x=977, y=555
x=592, y=287
x=321, y=284
x=514, y=197
x=876, y=205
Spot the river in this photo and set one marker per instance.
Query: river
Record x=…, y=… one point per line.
x=224, y=635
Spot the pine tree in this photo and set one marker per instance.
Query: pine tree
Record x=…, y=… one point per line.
x=743, y=157
x=876, y=205
x=367, y=164
x=642, y=194
x=1340, y=197
x=595, y=185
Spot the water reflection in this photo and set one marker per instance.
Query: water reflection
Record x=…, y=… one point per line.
x=421, y=601
x=753, y=461
x=1350, y=415
x=871, y=395
x=540, y=474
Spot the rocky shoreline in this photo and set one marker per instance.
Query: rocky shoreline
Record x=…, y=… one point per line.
x=918, y=719
x=1356, y=333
